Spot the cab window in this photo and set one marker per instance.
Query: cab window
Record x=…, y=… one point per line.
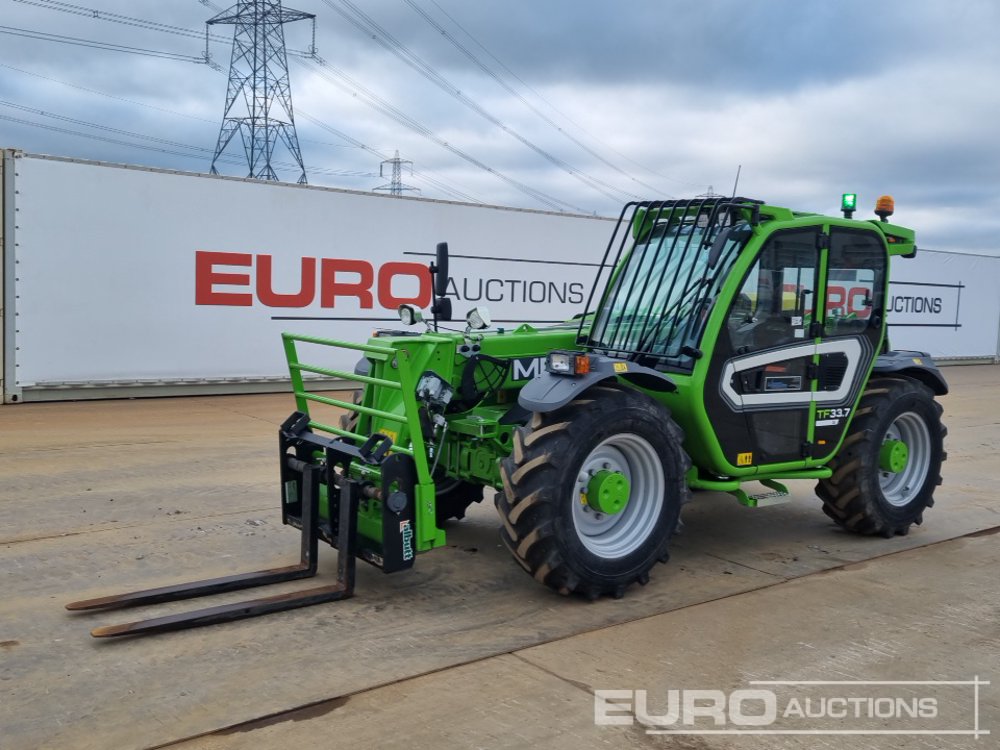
x=775, y=304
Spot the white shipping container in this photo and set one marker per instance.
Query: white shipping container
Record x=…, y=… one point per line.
x=120, y=280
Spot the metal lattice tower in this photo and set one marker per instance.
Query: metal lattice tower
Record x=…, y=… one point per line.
x=396, y=186
x=259, y=98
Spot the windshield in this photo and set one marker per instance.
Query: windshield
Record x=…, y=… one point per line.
x=658, y=303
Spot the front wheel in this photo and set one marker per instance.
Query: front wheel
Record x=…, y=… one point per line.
x=592, y=492
x=885, y=473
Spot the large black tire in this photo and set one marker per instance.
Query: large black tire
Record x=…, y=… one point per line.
x=545, y=521
x=866, y=498
x=452, y=497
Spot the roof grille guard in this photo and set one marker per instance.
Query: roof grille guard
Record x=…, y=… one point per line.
x=662, y=284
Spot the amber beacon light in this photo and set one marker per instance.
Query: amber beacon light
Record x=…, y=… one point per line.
x=884, y=207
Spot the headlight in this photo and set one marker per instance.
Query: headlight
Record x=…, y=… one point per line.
x=409, y=316
x=560, y=362
x=478, y=318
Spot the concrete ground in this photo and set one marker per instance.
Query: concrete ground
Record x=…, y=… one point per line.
x=465, y=650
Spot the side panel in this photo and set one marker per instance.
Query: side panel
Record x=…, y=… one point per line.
x=8, y=393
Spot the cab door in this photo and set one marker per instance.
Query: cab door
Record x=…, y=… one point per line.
x=851, y=329
x=763, y=360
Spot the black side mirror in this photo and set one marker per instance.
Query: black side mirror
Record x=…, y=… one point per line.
x=717, y=246
x=735, y=233
x=441, y=309
x=440, y=270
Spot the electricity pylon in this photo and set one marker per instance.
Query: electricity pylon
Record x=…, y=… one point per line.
x=396, y=186
x=259, y=98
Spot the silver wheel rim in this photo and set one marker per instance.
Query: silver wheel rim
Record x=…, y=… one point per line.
x=616, y=535
x=900, y=488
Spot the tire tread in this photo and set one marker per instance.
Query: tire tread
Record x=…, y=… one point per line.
x=843, y=493
x=530, y=492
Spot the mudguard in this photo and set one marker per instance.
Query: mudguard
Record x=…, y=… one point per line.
x=548, y=391
x=917, y=365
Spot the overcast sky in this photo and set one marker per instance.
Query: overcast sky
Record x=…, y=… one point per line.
x=596, y=103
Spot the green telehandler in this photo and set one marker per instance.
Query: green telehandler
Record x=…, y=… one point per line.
x=725, y=342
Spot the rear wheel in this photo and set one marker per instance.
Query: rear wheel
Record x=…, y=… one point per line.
x=886, y=471
x=592, y=492
x=452, y=496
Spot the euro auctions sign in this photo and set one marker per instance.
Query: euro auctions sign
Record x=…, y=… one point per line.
x=803, y=707
x=243, y=279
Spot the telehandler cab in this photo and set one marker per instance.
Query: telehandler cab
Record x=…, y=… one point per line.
x=725, y=341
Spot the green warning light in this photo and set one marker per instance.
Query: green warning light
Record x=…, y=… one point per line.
x=848, y=203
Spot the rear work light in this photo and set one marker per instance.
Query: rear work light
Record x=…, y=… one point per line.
x=567, y=363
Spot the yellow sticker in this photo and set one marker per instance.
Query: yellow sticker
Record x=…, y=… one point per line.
x=391, y=434
x=744, y=459
x=621, y=367
x=917, y=361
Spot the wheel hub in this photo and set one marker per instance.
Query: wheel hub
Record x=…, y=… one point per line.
x=904, y=459
x=607, y=492
x=893, y=456
x=618, y=495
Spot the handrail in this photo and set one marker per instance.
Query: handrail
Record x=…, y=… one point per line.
x=400, y=360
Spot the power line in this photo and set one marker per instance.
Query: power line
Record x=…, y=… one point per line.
x=381, y=105
x=427, y=178
x=62, y=39
x=103, y=15
x=97, y=126
x=376, y=102
x=163, y=143
x=552, y=106
x=104, y=93
x=510, y=90
x=351, y=142
x=147, y=105
x=94, y=136
x=362, y=21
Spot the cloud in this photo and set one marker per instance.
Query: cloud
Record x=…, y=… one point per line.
x=657, y=98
